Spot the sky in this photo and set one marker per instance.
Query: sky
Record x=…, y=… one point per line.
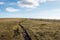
x=46, y=9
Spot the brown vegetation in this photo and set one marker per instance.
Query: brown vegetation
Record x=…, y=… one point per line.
x=37, y=29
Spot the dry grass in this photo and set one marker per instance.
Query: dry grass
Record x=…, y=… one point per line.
x=37, y=29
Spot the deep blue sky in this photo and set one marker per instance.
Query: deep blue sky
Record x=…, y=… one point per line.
x=30, y=9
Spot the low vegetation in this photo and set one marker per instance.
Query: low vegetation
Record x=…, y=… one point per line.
x=36, y=28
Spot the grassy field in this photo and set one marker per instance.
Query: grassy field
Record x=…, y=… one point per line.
x=38, y=29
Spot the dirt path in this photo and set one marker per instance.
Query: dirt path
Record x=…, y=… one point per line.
x=25, y=34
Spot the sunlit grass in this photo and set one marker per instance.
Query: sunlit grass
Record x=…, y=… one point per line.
x=37, y=29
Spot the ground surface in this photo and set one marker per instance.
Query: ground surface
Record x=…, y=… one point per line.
x=36, y=29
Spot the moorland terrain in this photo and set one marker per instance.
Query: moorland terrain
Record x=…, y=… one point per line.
x=36, y=29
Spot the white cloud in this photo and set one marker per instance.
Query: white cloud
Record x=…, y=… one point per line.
x=10, y=9
x=2, y=3
x=28, y=3
x=43, y=1
x=52, y=0
x=48, y=14
x=31, y=3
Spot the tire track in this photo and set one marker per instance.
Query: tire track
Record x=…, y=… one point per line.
x=25, y=34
